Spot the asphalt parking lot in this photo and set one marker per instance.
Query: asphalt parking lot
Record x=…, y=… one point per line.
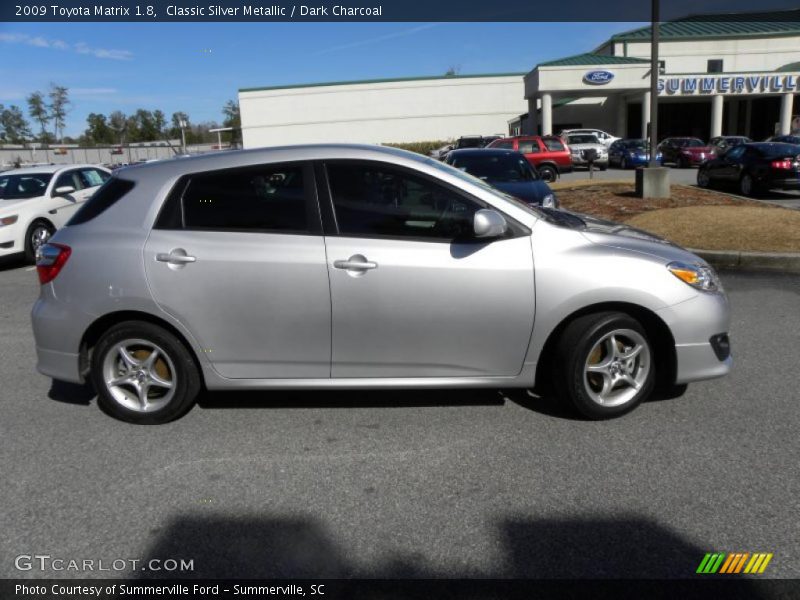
x=786, y=199
x=434, y=484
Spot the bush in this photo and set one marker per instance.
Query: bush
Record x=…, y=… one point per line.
x=421, y=147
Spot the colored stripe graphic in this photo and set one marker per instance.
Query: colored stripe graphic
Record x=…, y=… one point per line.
x=734, y=562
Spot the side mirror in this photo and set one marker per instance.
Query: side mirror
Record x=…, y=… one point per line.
x=489, y=223
x=63, y=190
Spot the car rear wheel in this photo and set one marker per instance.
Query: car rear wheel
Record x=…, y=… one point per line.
x=623, y=163
x=747, y=185
x=37, y=236
x=606, y=364
x=703, y=179
x=547, y=173
x=143, y=374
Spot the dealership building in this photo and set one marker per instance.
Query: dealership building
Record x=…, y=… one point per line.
x=736, y=74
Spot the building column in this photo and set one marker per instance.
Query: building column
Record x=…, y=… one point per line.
x=645, y=113
x=547, y=114
x=717, y=102
x=787, y=102
x=532, y=126
x=622, y=117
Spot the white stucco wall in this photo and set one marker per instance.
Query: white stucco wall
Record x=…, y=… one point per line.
x=380, y=112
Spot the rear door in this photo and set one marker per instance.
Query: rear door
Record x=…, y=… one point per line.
x=413, y=293
x=63, y=206
x=238, y=257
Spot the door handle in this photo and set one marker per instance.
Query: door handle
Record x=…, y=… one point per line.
x=172, y=257
x=356, y=262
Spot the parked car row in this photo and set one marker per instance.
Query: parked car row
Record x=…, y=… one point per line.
x=753, y=168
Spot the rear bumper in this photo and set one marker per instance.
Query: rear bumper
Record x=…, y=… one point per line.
x=63, y=366
x=784, y=184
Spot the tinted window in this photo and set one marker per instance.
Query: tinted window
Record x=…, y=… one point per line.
x=715, y=65
x=500, y=168
x=15, y=187
x=263, y=198
x=528, y=146
x=111, y=192
x=553, y=144
x=378, y=201
x=503, y=145
x=582, y=139
x=735, y=152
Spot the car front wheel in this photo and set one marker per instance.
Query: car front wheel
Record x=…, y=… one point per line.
x=747, y=185
x=606, y=364
x=703, y=179
x=143, y=374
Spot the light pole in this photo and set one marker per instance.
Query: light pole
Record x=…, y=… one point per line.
x=654, y=73
x=183, y=125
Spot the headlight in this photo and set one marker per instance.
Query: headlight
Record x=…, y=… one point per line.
x=8, y=220
x=549, y=201
x=701, y=277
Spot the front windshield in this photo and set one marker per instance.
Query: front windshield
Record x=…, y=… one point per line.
x=505, y=168
x=29, y=185
x=689, y=143
x=582, y=139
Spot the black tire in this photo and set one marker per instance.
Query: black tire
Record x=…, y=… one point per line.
x=36, y=230
x=623, y=163
x=547, y=173
x=682, y=163
x=703, y=178
x=177, y=363
x=573, y=352
x=603, y=167
x=748, y=186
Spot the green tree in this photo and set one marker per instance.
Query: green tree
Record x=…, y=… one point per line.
x=14, y=128
x=98, y=130
x=160, y=122
x=37, y=109
x=177, y=117
x=118, y=123
x=232, y=118
x=58, y=108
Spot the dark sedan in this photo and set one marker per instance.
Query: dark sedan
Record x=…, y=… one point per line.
x=786, y=139
x=506, y=170
x=754, y=168
x=723, y=143
x=685, y=151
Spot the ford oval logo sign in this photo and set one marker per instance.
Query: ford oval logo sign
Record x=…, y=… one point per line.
x=598, y=77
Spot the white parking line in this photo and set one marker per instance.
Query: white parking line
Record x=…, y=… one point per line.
x=30, y=268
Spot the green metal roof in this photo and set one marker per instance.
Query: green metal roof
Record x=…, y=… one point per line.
x=795, y=66
x=733, y=25
x=389, y=80
x=592, y=59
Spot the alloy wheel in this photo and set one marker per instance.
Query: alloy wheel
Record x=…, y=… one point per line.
x=617, y=367
x=139, y=375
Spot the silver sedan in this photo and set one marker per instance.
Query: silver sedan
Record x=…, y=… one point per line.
x=346, y=266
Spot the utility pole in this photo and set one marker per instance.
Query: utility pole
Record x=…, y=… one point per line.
x=183, y=136
x=654, y=73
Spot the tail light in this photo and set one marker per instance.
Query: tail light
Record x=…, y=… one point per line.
x=783, y=163
x=50, y=259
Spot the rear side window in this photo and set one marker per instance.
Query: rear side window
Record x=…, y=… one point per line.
x=553, y=144
x=262, y=198
x=106, y=196
x=528, y=147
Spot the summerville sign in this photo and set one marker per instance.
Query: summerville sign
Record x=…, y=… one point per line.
x=729, y=84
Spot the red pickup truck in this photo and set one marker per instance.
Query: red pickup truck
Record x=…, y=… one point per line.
x=549, y=154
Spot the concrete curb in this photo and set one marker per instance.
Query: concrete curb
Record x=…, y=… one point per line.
x=785, y=262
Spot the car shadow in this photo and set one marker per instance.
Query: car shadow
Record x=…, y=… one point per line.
x=8, y=263
x=71, y=393
x=625, y=555
x=349, y=398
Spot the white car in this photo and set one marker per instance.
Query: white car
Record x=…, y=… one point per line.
x=603, y=137
x=36, y=201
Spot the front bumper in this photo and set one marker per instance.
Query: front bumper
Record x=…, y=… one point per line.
x=578, y=161
x=11, y=240
x=696, y=326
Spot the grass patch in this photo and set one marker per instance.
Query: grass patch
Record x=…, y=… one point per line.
x=691, y=217
x=748, y=228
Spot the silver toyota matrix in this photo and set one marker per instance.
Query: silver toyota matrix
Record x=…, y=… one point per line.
x=346, y=266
